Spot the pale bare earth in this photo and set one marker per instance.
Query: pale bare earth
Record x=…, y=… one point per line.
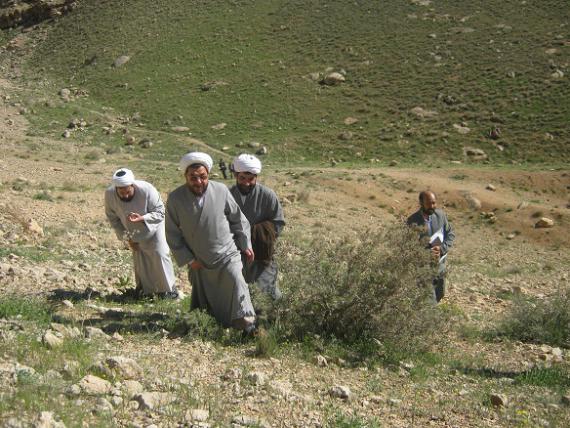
x=490, y=261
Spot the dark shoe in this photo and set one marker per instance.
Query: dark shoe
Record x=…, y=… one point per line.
x=169, y=295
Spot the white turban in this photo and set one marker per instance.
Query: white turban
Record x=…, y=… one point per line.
x=196, y=157
x=123, y=177
x=247, y=163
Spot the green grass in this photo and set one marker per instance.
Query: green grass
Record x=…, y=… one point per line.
x=29, y=309
x=552, y=377
x=264, y=51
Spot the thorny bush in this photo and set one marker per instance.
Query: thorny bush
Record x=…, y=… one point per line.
x=376, y=286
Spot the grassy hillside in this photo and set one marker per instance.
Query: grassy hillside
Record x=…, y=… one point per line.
x=478, y=64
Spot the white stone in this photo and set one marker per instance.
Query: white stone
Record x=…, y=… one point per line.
x=340, y=391
x=94, y=385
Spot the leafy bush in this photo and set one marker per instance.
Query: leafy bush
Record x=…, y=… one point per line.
x=540, y=321
x=373, y=288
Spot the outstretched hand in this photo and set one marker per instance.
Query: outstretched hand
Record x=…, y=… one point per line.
x=135, y=218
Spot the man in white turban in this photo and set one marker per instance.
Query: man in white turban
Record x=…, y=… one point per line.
x=263, y=210
x=206, y=231
x=136, y=212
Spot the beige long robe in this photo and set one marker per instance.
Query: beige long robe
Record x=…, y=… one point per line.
x=213, y=234
x=154, y=272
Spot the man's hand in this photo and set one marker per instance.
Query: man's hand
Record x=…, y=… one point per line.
x=135, y=218
x=196, y=265
x=133, y=245
x=249, y=256
x=436, y=251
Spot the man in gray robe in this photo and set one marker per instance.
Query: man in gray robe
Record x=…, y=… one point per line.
x=437, y=231
x=206, y=231
x=136, y=212
x=263, y=210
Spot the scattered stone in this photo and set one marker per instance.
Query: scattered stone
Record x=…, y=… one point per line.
x=423, y=113
x=394, y=401
x=51, y=340
x=522, y=205
x=350, y=120
x=339, y=391
x=180, y=129
x=345, y=135
x=321, y=361
x=145, y=143
x=257, y=378
x=393, y=162
x=94, y=333
x=558, y=74
x=511, y=236
x=117, y=337
x=253, y=144
x=474, y=203
x=262, y=151
x=557, y=354
x=32, y=227
x=474, y=153
x=103, y=406
x=333, y=79
x=132, y=388
x=130, y=140
x=219, y=126
x=65, y=94
x=70, y=369
x=67, y=303
x=498, y=400
x=127, y=368
x=47, y=420
x=196, y=415
x=153, y=400
x=544, y=223
x=565, y=399
x=120, y=61
x=491, y=187
x=117, y=401
x=94, y=385
x=247, y=421
x=461, y=129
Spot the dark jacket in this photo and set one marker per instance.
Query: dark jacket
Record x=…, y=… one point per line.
x=438, y=219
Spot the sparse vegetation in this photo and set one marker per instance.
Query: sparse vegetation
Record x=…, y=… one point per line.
x=540, y=321
x=361, y=290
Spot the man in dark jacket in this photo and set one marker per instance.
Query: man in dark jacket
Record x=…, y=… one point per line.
x=434, y=226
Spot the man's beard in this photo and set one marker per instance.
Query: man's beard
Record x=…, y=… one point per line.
x=128, y=198
x=203, y=190
x=245, y=190
x=429, y=211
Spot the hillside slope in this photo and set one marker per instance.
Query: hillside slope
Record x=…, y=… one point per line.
x=470, y=67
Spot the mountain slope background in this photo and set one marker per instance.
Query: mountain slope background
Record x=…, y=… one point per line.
x=477, y=65
x=424, y=80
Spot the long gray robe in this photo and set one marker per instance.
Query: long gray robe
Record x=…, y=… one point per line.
x=259, y=205
x=211, y=234
x=154, y=272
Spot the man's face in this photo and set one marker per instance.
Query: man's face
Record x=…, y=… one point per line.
x=197, y=179
x=429, y=204
x=245, y=182
x=126, y=193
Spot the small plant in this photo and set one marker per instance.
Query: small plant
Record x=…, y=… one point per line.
x=44, y=195
x=539, y=321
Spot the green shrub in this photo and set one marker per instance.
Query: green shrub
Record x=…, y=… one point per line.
x=374, y=288
x=539, y=321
